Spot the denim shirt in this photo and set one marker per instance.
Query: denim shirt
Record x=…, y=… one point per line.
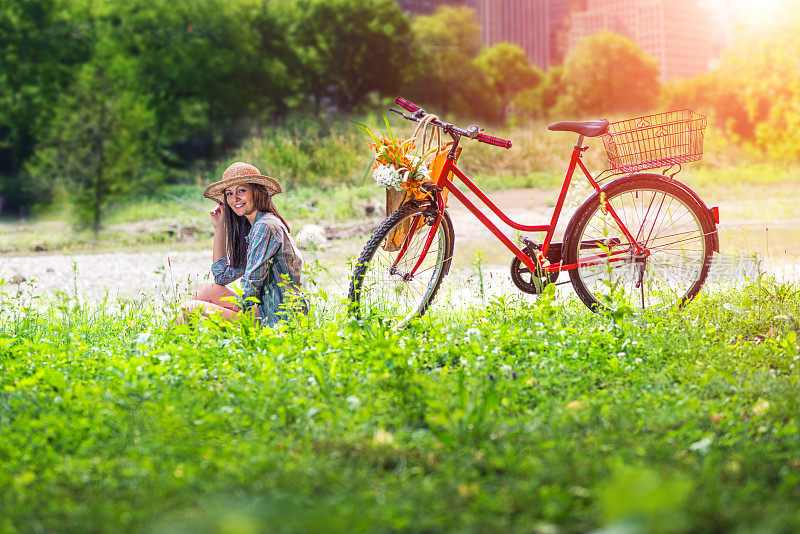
x=272, y=271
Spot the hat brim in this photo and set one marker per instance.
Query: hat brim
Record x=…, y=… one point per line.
x=216, y=191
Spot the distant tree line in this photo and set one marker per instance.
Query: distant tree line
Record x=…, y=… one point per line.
x=100, y=99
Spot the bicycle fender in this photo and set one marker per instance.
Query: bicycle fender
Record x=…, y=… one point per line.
x=710, y=215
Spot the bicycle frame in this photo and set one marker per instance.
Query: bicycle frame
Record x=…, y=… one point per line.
x=443, y=181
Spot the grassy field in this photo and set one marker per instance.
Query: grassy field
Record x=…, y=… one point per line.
x=512, y=416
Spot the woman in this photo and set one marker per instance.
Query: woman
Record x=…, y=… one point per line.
x=251, y=242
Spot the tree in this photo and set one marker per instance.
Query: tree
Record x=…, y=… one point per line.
x=716, y=94
x=539, y=101
x=508, y=71
x=608, y=73
x=210, y=68
x=765, y=74
x=445, y=77
x=100, y=144
x=346, y=49
x=207, y=69
x=43, y=44
x=754, y=95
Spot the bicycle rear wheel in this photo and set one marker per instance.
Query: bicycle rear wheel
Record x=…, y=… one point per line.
x=381, y=287
x=662, y=217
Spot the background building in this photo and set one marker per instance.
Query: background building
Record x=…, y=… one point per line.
x=522, y=22
x=559, y=13
x=681, y=35
x=677, y=33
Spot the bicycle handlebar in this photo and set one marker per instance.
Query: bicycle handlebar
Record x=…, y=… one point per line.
x=418, y=113
x=494, y=141
x=405, y=104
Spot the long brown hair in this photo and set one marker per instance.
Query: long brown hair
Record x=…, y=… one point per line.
x=236, y=227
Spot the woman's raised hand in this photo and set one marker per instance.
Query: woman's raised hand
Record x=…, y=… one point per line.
x=218, y=217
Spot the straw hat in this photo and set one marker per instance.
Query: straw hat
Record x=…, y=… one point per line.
x=240, y=173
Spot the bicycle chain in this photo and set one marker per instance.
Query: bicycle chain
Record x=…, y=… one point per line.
x=523, y=278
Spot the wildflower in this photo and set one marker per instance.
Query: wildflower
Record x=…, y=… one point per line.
x=387, y=176
x=574, y=405
x=382, y=438
x=760, y=407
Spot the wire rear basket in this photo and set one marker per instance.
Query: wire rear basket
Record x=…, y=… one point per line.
x=655, y=140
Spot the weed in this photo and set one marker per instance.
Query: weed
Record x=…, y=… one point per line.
x=477, y=274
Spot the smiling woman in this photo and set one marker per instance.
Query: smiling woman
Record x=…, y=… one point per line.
x=252, y=242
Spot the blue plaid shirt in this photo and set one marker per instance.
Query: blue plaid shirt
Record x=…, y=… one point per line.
x=272, y=271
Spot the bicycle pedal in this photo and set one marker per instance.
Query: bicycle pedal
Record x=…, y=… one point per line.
x=528, y=242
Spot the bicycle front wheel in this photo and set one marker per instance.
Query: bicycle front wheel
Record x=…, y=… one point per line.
x=382, y=286
x=665, y=220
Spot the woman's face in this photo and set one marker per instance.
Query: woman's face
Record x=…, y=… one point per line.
x=240, y=199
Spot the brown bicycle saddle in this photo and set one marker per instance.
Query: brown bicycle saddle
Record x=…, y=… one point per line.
x=587, y=128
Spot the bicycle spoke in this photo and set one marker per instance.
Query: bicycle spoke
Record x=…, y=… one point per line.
x=384, y=288
x=664, y=225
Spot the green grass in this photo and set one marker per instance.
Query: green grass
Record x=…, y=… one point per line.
x=514, y=416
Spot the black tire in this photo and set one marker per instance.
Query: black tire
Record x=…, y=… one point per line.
x=377, y=292
x=662, y=216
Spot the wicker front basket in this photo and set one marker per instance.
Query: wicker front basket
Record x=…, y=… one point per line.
x=656, y=140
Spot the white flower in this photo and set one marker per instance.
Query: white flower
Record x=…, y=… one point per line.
x=702, y=445
x=387, y=176
x=473, y=334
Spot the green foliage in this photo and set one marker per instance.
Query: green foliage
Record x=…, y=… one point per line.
x=768, y=84
x=538, y=102
x=198, y=75
x=42, y=42
x=208, y=67
x=508, y=71
x=302, y=154
x=716, y=95
x=97, y=145
x=754, y=94
x=607, y=73
x=347, y=49
x=498, y=418
x=444, y=76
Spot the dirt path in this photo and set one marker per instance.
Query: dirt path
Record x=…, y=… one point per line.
x=112, y=275
x=169, y=273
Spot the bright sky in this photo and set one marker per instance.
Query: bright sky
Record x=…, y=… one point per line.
x=756, y=13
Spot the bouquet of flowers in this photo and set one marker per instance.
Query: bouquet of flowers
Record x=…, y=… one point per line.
x=398, y=164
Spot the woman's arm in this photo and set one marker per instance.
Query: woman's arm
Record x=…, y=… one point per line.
x=218, y=221
x=223, y=274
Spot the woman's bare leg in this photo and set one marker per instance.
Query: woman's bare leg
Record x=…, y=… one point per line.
x=215, y=294
x=210, y=298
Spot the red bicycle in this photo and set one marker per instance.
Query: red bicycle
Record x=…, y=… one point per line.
x=644, y=240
